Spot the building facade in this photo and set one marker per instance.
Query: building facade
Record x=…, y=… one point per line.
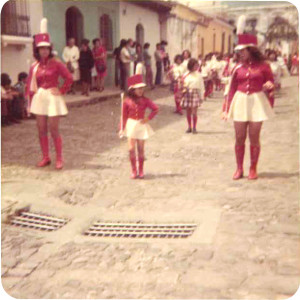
x=198, y=32
x=19, y=20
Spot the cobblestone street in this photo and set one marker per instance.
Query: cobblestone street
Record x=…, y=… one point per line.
x=246, y=245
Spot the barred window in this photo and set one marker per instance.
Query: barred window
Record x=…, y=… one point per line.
x=106, y=31
x=15, y=18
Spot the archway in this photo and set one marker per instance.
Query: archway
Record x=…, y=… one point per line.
x=74, y=24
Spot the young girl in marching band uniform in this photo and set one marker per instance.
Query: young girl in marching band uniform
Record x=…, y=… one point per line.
x=134, y=124
x=175, y=73
x=193, y=93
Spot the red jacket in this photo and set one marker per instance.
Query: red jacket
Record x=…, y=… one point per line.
x=136, y=109
x=249, y=79
x=47, y=75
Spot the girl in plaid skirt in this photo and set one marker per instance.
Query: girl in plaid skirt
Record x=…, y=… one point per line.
x=193, y=93
x=175, y=74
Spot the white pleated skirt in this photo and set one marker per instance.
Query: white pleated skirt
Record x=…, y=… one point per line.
x=253, y=108
x=136, y=130
x=46, y=104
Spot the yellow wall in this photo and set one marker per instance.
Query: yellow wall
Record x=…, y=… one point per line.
x=206, y=33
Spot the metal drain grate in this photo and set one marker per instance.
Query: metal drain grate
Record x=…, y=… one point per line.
x=38, y=221
x=140, y=230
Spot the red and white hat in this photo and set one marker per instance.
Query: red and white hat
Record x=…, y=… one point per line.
x=135, y=81
x=244, y=39
x=42, y=39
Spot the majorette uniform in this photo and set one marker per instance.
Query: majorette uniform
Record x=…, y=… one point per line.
x=193, y=90
x=43, y=76
x=246, y=100
x=175, y=74
x=133, y=112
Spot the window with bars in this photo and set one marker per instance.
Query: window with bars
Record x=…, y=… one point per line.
x=106, y=31
x=15, y=18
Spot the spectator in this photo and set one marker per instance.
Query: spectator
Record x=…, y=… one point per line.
x=125, y=64
x=117, y=53
x=20, y=87
x=166, y=59
x=132, y=53
x=86, y=63
x=148, y=66
x=99, y=53
x=8, y=99
x=159, y=60
x=139, y=63
x=71, y=56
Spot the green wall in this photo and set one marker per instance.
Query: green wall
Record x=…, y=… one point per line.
x=55, y=10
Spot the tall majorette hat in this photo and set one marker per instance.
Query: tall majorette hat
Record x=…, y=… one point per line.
x=244, y=39
x=135, y=81
x=42, y=39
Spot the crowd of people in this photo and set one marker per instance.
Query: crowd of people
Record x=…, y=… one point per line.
x=133, y=58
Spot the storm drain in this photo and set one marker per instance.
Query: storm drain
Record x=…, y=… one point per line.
x=38, y=221
x=140, y=230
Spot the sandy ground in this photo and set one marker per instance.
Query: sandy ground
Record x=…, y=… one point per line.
x=247, y=242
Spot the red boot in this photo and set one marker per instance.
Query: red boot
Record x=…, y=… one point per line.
x=141, y=167
x=58, y=148
x=132, y=159
x=254, y=154
x=45, y=150
x=239, y=154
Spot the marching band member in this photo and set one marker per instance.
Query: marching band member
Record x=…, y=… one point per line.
x=175, y=73
x=193, y=94
x=247, y=103
x=134, y=124
x=45, y=95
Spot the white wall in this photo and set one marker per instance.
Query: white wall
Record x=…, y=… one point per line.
x=18, y=58
x=135, y=15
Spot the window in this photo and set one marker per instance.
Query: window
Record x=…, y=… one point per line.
x=15, y=18
x=74, y=24
x=106, y=31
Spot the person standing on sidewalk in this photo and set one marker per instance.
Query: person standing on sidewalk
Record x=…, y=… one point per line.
x=45, y=96
x=159, y=64
x=247, y=102
x=71, y=56
x=100, y=56
x=193, y=93
x=86, y=63
x=148, y=66
x=134, y=124
x=175, y=75
x=125, y=59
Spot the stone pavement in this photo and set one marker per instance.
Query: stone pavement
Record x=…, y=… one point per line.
x=247, y=242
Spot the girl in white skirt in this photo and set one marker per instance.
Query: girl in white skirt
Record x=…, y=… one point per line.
x=247, y=102
x=45, y=95
x=134, y=124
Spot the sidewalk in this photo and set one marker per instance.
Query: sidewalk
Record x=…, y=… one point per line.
x=80, y=100
x=109, y=93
